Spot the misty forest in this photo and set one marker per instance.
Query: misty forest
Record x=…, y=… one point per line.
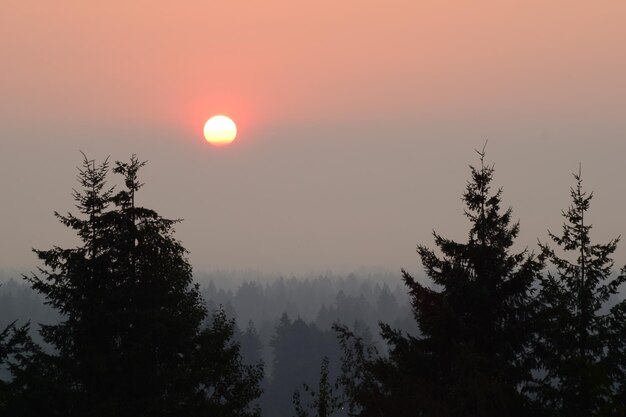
x=120, y=325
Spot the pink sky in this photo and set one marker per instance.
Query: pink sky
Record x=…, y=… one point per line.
x=432, y=79
x=281, y=62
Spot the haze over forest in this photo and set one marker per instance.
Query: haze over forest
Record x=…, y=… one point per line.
x=355, y=251
x=356, y=122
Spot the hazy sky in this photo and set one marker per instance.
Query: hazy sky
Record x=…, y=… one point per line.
x=357, y=120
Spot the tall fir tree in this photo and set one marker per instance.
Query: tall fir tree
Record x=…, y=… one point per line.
x=132, y=342
x=471, y=357
x=578, y=373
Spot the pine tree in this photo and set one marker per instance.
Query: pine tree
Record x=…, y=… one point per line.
x=471, y=358
x=131, y=342
x=573, y=349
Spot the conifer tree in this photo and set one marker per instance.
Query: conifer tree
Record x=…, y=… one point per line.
x=132, y=342
x=573, y=350
x=225, y=385
x=617, y=353
x=471, y=358
x=33, y=388
x=14, y=342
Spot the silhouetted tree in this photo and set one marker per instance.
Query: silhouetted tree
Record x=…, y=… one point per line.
x=617, y=354
x=226, y=387
x=471, y=358
x=577, y=375
x=34, y=387
x=131, y=342
x=325, y=402
x=14, y=342
x=362, y=382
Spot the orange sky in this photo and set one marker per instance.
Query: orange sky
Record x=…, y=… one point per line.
x=277, y=61
x=431, y=78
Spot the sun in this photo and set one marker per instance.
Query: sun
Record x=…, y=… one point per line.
x=220, y=130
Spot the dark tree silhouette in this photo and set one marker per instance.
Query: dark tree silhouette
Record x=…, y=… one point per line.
x=617, y=354
x=471, y=358
x=227, y=387
x=14, y=344
x=34, y=388
x=325, y=402
x=577, y=375
x=131, y=341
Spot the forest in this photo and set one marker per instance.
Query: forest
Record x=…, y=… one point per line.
x=274, y=320
x=121, y=325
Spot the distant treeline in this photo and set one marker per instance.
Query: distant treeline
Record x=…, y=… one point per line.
x=278, y=320
x=322, y=300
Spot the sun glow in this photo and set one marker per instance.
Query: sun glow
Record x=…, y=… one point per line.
x=220, y=130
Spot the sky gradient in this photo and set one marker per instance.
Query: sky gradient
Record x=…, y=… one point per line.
x=356, y=120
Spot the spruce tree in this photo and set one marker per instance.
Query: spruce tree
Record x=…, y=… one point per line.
x=577, y=371
x=132, y=342
x=471, y=356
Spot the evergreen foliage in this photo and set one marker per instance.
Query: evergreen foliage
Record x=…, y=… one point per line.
x=617, y=354
x=131, y=342
x=471, y=358
x=225, y=386
x=14, y=344
x=362, y=374
x=577, y=369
